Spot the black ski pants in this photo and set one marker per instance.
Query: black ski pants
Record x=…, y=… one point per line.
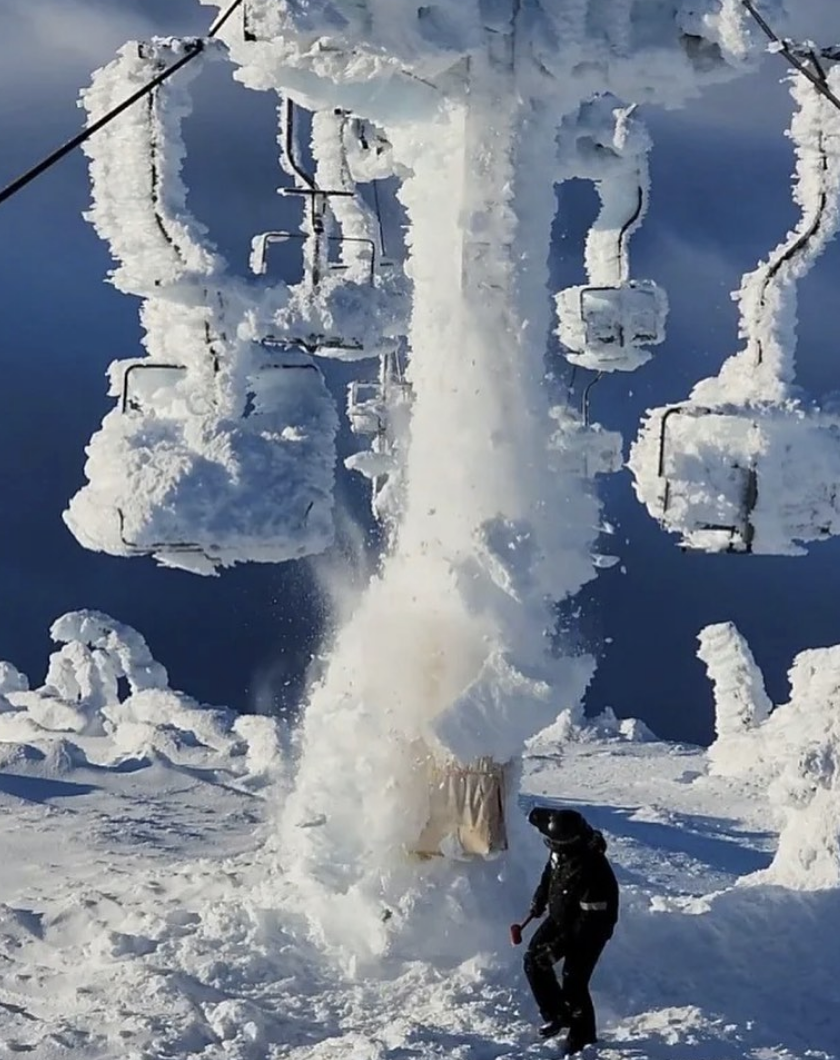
x=571, y=999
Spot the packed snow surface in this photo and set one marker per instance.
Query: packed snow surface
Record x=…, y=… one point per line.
x=148, y=913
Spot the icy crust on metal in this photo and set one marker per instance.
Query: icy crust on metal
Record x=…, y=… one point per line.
x=392, y=58
x=353, y=301
x=139, y=199
x=608, y=323
x=219, y=449
x=747, y=464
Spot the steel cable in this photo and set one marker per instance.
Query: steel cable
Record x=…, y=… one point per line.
x=194, y=48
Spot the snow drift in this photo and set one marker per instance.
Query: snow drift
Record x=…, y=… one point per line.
x=105, y=702
x=792, y=753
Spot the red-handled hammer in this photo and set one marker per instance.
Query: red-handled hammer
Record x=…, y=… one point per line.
x=517, y=929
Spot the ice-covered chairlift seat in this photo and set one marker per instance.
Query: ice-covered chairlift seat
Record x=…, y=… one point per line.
x=745, y=465
x=366, y=409
x=261, y=243
x=370, y=403
x=187, y=475
x=607, y=328
x=717, y=514
x=761, y=480
x=149, y=386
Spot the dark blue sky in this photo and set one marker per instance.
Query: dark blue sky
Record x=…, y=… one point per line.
x=720, y=201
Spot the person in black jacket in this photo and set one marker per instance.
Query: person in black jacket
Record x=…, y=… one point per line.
x=580, y=892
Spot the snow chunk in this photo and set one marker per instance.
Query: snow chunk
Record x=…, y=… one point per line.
x=804, y=737
x=11, y=679
x=168, y=721
x=264, y=755
x=502, y=708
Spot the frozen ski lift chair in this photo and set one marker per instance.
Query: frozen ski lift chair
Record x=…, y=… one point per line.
x=196, y=466
x=607, y=328
x=745, y=468
x=262, y=242
x=466, y=810
x=607, y=323
x=317, y=245
x=370, y=403
x=716, y=512
x=741, y=480
x=264, y=494
x=366, y=410
x=379, y=410
x=314, y=232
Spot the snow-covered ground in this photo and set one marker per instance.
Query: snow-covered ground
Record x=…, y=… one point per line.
x=147, y=910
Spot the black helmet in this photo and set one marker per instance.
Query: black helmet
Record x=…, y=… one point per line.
x=564, y=827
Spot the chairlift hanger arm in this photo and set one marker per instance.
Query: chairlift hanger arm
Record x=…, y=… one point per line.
x=196, y=47
x=585, y=403
x=797, y=245
x=290, y=147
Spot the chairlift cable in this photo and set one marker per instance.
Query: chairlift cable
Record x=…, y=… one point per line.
x=194, y=48
x=817, y=80
x=222, y=18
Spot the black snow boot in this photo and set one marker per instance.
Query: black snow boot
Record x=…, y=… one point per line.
x=576, y=1043
x=553, y=1027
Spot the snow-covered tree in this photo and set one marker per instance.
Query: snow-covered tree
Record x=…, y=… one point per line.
x=741, y=701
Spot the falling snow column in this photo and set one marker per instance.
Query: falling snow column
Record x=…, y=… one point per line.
x=484, y=511
x=445, y=669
